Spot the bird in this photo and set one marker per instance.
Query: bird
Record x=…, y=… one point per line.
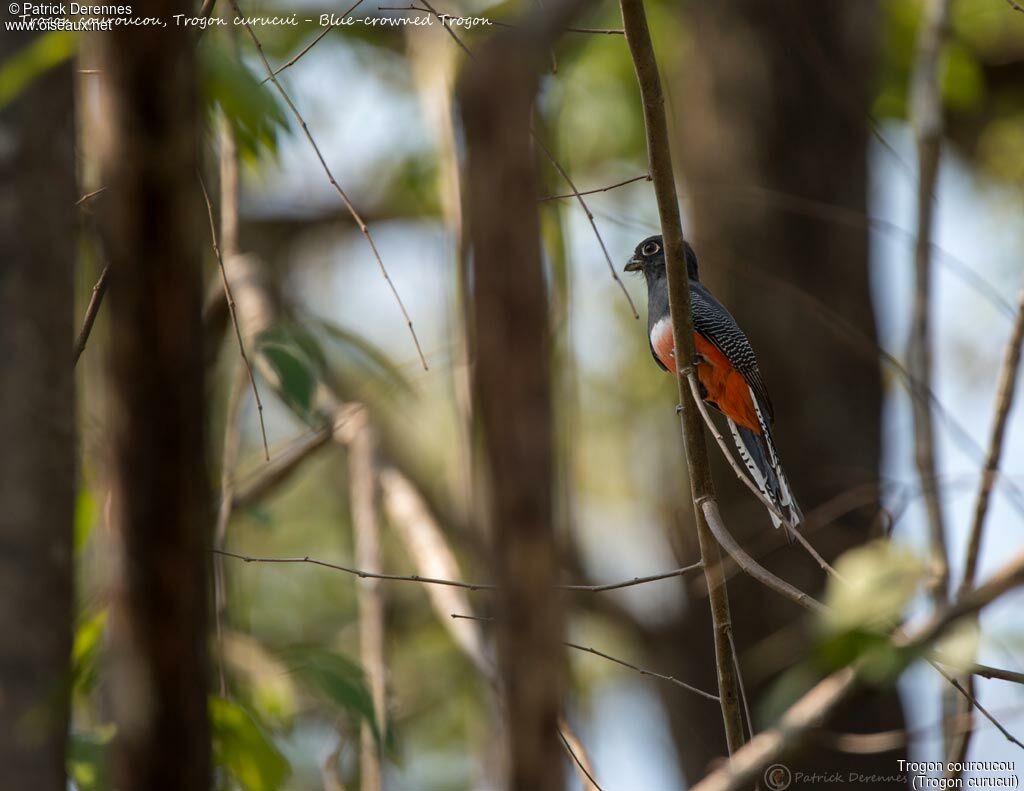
x=726, y=367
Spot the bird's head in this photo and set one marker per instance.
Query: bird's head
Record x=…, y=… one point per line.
x=649, y=258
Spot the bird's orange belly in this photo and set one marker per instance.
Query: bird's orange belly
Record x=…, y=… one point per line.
x=724, y=386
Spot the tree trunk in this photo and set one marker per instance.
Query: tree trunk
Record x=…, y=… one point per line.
x=512, y=400
x=37, y=412
x=774, y=111
x=161, y=508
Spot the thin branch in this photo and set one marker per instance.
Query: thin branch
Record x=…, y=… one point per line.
x=580, y=763
x=91, y=311
x=229, y=461
x=743, y=691
x=644, y=177
x=714, y=521
x=642, y=672
x=589, y=650
x=659, y=155
x=961, y=748
x=473, y=586
x=311, y=44
x=1015, y=6
x=590, y=218
x=89, y=196
x=987, y=671
x=1004, y=401
x=356, y=218
x=234, y=316
x=635, y=581
x=926, y=104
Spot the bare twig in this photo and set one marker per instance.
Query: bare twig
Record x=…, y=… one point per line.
x=1004, y=402
x=987, y=671
x=743, y=691
x=89, y=196
x=356, y=218
x=473, y=586
x=91, y=311
x=1015, y=6
x=702, y=488
x=635, y=580
x=311, y=44
x=960, y=747
x=234, y=315
x=714, y=521
x=457, y=617
x=644, y=177
x=642, y=672
x=590, y=218
x=574, y=747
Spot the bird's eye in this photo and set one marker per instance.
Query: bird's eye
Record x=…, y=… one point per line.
x=650, y=248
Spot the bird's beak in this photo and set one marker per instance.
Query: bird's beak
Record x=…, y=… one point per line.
x=634, y=265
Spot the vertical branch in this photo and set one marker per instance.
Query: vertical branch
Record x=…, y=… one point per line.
x=926, y=112
x=512, y=388
x=926, y=109
x=160, y=507
x=961, y=741
x=641, y=48
x=229, y=462
x=362, y=476
x=1004, y=403
x=37, y=409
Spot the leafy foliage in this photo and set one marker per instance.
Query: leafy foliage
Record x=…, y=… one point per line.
x=253, y=110
x=87, y=758
x=340, y=680
x=298, y=362
x=243, y=749
x=32, y=61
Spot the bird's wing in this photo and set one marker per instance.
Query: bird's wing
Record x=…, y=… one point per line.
x=714, y=322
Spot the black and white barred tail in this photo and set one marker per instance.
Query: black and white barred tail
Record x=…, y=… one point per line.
x=762, y=462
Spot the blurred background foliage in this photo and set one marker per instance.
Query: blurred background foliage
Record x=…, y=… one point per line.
x=290, y=691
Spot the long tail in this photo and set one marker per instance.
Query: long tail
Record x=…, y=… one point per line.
x=762, y=461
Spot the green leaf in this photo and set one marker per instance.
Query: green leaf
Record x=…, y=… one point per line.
x=262, y=676
x=241, y=747
x=34, y=60
x=963, y=83
x=878, y=581
x=339, y=679
x=251, y=107
x=85, y=652
x=297, y=373
x=85, y=517
x=87, y=758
